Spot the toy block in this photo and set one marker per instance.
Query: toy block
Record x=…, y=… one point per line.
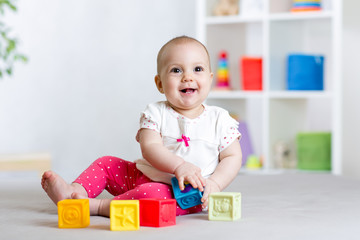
x=225, y=206
x=73, y=213
x=157, y=212
x=187, y=198
x=124, y=215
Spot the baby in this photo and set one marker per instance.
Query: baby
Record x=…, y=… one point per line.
x=181, y=137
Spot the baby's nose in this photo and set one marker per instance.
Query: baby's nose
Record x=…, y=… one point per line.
x=187, y=77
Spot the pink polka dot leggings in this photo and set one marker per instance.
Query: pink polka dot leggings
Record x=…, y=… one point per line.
x=124, y=181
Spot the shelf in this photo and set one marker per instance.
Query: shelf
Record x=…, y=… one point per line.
x=287, y=16
x=233, y=19
x=275, y=112
x=299, y=94
x=236, y=94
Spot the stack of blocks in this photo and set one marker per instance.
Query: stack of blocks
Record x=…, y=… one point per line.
x=127, y=215
x=306, y=5
x=222, y=78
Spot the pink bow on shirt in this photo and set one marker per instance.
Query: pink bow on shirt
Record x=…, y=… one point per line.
x=184, y=139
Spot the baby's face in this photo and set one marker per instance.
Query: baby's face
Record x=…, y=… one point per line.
x=185, y=77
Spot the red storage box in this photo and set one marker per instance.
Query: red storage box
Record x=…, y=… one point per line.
x=251, y=73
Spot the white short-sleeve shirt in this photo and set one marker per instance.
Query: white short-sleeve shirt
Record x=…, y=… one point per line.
x=198, y=141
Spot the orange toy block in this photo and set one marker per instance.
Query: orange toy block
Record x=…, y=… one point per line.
x=124, y=215
x=74, y=213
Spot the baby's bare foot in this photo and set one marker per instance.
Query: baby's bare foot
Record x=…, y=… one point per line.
x=56, y=187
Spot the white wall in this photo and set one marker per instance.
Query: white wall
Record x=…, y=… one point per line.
x=351, y=87
x=90, y=72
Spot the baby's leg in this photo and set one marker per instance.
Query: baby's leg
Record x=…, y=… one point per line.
x=57, y=189
x=98, y=207
x=114, y=174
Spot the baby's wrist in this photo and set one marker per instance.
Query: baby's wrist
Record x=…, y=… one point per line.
x=177, y=166
x=216, y=183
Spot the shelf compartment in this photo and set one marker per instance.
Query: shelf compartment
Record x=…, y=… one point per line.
x=235, y=94
x=245, y=40
x=288, y=16
x=291, y=116
x=300, y=36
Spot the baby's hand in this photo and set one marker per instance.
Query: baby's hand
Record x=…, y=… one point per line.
x=211, y=187
x=190, y=173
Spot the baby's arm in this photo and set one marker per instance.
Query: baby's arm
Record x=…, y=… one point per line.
x=225, y=172
x=154, y=151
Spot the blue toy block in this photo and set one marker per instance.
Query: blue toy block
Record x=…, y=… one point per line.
x=187, y=198
x=305, y=72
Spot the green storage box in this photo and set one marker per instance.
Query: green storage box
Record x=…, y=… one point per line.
x=314, y=150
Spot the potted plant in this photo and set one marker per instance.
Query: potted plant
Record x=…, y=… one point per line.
x=8, y=45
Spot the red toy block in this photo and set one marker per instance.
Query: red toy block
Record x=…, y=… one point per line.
x=251, y=73
x=157, y=212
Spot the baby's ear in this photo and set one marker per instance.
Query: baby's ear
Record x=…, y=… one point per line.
x=159, y=83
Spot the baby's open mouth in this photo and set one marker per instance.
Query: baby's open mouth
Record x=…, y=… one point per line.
x=188, y=90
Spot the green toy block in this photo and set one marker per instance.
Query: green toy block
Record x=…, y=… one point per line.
x=225, y=206
x=314, y=150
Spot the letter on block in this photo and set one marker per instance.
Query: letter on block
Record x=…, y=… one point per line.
x=225, y=206
x=124, y=215
x=157, y=212
x=187, y=198
x=74, y=213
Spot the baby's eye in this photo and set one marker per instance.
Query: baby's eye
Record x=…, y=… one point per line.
x=198, y=69
x=175, y=70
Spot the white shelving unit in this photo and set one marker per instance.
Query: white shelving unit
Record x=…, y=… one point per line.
x=276, y=114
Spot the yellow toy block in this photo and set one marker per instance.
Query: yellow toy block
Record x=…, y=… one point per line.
x=124, y=215
x=225, y=206
x=74, y=213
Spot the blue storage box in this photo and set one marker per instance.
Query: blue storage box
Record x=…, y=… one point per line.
x=305, y=72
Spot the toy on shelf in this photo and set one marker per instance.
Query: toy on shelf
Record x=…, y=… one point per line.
x=226, y=7
x=253, y=162
x=306, y=5
x=187, y=198
x=73, y=213
x=157, y=212
x=222, y=75
x=124, y=215
x=314, y=150
x=305, y=72
x=282, y=156
x=245, y=142
x=225, y=206
x=251, y=73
